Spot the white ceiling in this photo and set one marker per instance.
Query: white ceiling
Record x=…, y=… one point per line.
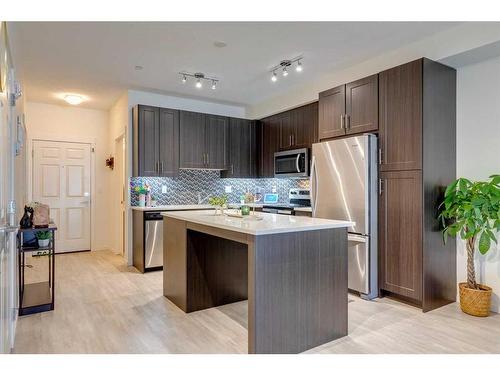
x=97, y=59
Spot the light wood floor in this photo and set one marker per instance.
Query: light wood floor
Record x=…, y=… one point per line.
x=103, y=306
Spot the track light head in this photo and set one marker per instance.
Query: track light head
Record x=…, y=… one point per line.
x=184, y=78
x=198, y=84
x=285, y=72
x=298, y=68
x=214, y=85
x=274, y=77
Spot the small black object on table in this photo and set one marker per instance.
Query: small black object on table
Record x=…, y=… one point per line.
x=36, y=297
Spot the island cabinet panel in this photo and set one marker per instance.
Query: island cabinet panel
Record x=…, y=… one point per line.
x=362, y=105
x=217, y=140
x=331, y=113
x=192, y=140
x=243, y=149
x=400, y=105
x=400, y=228
x=297, y=291
x=155, y=141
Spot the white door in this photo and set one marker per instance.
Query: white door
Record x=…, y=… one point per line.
x=61, y=179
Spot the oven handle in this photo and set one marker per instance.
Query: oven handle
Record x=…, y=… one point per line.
x=297, y=163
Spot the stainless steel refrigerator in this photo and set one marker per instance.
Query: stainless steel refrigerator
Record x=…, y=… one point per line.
x=344, y=187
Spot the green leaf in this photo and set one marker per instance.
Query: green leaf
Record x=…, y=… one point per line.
x=450, y=188
x=484, y=243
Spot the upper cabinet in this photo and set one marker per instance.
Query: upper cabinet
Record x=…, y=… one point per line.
x=288, y=130
x=400, y=137
x=156, y=139
x=243, y=149
x=349, y=109
x=203, y=141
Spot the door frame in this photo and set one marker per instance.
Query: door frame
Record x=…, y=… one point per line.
x=51, y=137
x=122, y=138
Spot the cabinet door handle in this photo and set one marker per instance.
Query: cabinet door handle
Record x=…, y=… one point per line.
x=380, y=186
x=380, y=155
x=341, y=121
x=290, y=140
x=347, y=122
x=208, y=159
x=157, y=167
x=232, y=169
x=293, y=139
x=161, y=167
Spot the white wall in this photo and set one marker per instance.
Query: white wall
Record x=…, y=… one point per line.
x=48, y=121
x=450, y=42
x=478, y=151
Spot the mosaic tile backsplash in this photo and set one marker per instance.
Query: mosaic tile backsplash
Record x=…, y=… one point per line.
x=184, y=188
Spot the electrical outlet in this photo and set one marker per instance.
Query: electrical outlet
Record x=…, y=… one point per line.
x=228, y=189
x=274, y=190
x=164, y=189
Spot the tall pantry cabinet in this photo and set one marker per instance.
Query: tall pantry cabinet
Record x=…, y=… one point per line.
x=417, y=160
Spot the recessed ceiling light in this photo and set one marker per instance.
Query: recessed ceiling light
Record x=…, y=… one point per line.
x=138, y=67
x=220, y=44
x=73, y=99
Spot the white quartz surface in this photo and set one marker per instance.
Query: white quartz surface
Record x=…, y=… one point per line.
x=172, y=207
x=271, y=223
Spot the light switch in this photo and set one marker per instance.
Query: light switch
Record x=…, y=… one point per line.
x=228, y=189
x=164, y=189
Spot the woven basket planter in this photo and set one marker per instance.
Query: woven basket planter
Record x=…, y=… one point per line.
x=476, y=302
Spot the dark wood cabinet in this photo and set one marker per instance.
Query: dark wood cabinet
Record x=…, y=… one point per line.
x=400, y=228
x=203, y=141
x=243, y=149
x=303, y=125
x=400, y=139
x=270, y=139
x=155, y=142
x=217, y=140
x=349, y=109
x=418, y=160
x=361, y=108
x=192, y=140
x=168, y=137
x=331, y=113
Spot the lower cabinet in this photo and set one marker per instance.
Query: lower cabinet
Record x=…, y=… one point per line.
x=400, y=233
x=243, y=151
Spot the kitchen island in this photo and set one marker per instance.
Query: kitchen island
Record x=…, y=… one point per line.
x=292, y=270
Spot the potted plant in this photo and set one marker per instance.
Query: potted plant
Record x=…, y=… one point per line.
x=142, y=190
x=43, y=237
x=219, y=202
x=472, y=211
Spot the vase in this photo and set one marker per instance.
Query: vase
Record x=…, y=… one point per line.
x=44, y=243
x=142, y=200
x=476, y=302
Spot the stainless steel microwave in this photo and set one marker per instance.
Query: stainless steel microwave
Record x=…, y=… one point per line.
x=293, y=163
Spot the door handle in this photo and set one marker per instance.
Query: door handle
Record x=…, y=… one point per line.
x=380, y=155
x=380, y=186
x=313, y=183
x=290, y=140
x=347, y=122
x=341, y=121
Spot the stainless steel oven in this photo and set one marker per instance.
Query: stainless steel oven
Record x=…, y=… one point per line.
x=292, y=163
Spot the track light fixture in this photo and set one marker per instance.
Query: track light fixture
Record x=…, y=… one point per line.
x=284, y=65
x=199, y=77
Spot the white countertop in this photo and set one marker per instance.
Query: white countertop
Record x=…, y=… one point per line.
x=271, y=223
x=173, y=207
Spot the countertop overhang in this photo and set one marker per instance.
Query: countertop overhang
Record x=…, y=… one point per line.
x=270, y=223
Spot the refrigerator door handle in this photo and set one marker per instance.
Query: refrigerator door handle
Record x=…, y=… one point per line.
x=313, y=183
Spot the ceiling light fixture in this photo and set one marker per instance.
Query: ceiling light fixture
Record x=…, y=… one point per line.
x=199, y=77
x=73, y=99
x=299, y=66
x=284, y=65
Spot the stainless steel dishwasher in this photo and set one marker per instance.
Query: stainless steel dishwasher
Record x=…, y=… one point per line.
x=153, y=240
